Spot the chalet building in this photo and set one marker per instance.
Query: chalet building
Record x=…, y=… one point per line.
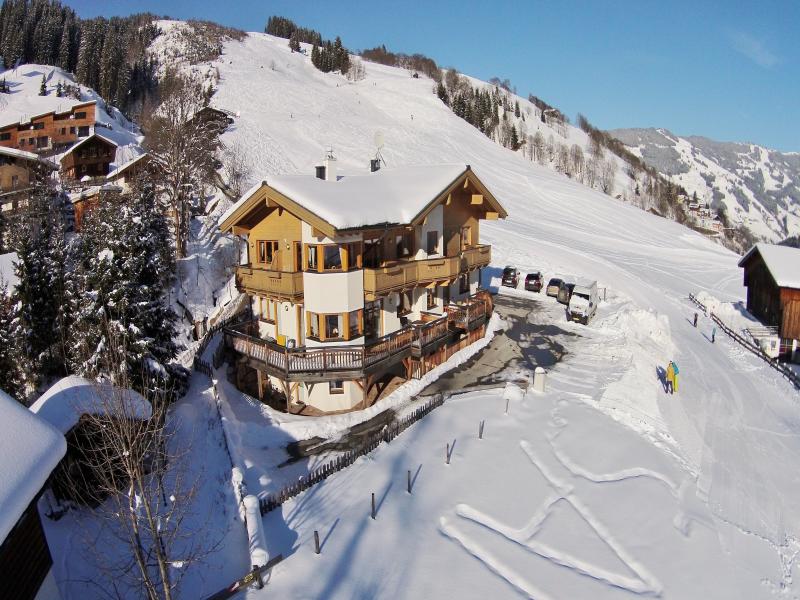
x=126, y=174
x=91, y=157
x=772, y=278
x=19, y=170
x=30, y=450
x=50, y=132
x=356, y=280
x=86, y=200
x=214, y=120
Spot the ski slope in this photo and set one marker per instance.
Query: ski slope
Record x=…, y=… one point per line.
x=726, y=445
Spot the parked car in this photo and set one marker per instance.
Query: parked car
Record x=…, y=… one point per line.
x=552, y=287
x=565, y=292
x=510, y=277
x=583, y=303
x=533, y=282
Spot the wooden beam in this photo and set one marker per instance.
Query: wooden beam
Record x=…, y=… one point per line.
x=477, y=199
x=239, y=230
x=466, y=182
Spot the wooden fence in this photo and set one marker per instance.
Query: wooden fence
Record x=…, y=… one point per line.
x=772, y=362
x=387, y=434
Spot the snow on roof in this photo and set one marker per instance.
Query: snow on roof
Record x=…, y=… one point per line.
x=30, y=448
x=7, y=273
x=783, y=263
x=125, y=166
x=83, y=141
x=16, y=153
x=391, y=195
x=69, y=398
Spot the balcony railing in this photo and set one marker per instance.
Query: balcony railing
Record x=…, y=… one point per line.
x=262, y=281
x=403, y=275
x=331, y=361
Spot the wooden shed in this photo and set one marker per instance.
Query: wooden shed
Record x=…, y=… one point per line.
x=772, y=278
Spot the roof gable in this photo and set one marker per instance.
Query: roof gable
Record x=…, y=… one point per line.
x=782, y=262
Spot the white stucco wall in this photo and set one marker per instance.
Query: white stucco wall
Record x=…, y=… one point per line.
x=434, y=222
x=333, y=292
x=319, y=396
x=391, y=322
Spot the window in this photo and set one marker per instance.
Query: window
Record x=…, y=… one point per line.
x=4, y=137
x=372, y=319
x=433, y=242
x=404, y=306
x=466, y=237
x=63, y=130
x=463, y=284
x=14, y=181
x=267, y=309
x=354, y=324
x=313, y=325
x=72, y=130
x=403, y=245
x=267, y=251
x=83, y=131
x=372, y=253
x=311, y=260
x=336, y=387
x=332, y=258
x=333, y=326
x=431, y=298
x=38, y=125
x=42, y=142
x=80, y=115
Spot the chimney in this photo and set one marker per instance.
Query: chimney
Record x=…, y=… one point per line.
x=329, y=164
x=374, y=165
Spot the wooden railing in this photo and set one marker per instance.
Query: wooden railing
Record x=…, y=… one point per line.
x=390, y=278
x=477, y=256
x=263, y=281
x=428, y=333
x=437, y=269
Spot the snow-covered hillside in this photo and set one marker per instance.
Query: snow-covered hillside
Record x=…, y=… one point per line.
x=760, y=187
x=23, y=102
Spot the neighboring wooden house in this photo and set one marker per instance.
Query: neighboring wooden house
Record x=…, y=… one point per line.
x=91, y=158
x=214, y=119
x=772, y=278
x=86, y=200
x=30, y=450
x=353, y=279
x=19, y=170
x=50, y=132
x=126, y=174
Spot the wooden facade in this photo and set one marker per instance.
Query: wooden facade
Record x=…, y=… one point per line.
x=51, y=132
x=92, y=157
x=775, y=305
x=25, y=557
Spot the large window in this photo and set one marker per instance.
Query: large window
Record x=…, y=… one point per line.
x=335, y=326
x=431, y=298
x=336, y=387
x=333, y=257
x=433, y=242
x=267, y=251
x=267, y=309
x=463, y=284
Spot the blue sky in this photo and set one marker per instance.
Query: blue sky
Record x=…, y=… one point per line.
x=726, y=70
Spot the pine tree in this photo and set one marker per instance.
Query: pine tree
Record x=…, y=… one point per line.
x=126, y=267
x=43, y=87
x=516, y=109
x=10, y=373
x=294, y=42
x=59, y=90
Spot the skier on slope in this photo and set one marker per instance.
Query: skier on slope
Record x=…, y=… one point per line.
x=670, y=378
x=675, y=372
x=713, y=334
x=695, y=320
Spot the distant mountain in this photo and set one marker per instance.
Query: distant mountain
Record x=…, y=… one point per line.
x=759, y=187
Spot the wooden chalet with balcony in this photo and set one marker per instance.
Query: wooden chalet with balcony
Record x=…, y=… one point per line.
x=357, y=281
x=772, y=279
x=50, y=132
x=91, y=158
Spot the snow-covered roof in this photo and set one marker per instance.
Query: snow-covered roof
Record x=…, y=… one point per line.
x=64, y=403
x=125, y=166
x=30, y=448
x=390, y=195
x=7, y=273
x=783, y=263
x=16, y=153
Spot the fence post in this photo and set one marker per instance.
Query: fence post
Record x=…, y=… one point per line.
x=409, y=481
x=480, y=430
x=373, y=506
x=447, y=455
x=316, y=541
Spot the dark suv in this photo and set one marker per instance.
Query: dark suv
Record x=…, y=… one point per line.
x=533, y=282
x=510, y=277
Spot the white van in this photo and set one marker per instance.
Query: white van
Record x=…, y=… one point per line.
x=583, y=302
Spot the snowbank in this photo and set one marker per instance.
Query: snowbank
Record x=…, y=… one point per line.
x=8, y=274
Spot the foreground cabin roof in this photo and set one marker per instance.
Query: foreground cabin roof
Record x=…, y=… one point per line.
x=402, y=196
x=30, y=448
x=782, y=262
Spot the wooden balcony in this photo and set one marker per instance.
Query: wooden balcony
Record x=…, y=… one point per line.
x=471, y=314
x=391, y=278
x=430, y=336
x=260, y=281
x=475, y=257
x=320, y=363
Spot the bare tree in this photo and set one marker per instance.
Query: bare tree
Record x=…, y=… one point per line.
x=538, y=147
x=607, y=175
x=134, y=469
x=591, y=172
x=562, y=158
x=356, y=72
x=181, y=145
x=550, y=147
x=236, y=169
x=576, y=161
